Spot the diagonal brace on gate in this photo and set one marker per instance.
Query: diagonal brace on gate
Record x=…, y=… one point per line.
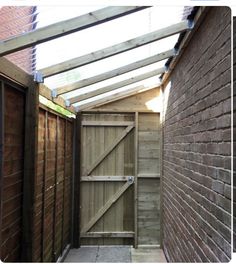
x=107, y=205
x=109, y=149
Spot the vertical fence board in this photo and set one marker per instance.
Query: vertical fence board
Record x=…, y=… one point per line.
x=50, y=189
x=99, y=189
x=44, y=183
x=64, y=184
x=39, y=188
x=59, y=186
x=54, y=241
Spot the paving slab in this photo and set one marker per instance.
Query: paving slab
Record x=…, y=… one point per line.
x=147, y=255
x=83, y=254
x=114, y=254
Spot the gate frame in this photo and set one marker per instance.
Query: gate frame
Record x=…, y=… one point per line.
x=78, y=174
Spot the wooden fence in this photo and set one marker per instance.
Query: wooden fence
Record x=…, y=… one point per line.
x=52, y=210
x=36, y=159
x=12, y=168
x=18, y=130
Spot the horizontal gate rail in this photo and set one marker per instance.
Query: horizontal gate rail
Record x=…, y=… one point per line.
x=149, y=176
x=105, y=178
x=108, y=234
x=107, y=123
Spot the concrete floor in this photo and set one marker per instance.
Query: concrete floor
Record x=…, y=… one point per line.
x=122, y=254
x=147, y=255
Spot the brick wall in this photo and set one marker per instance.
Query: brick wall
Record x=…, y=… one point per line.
x=14, y=21
x=196, y=158
x=234, y=104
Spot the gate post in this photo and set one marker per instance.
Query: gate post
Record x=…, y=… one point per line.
x=76, y=183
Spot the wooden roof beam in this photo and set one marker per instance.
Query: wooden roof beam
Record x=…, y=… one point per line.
x=114, y=97
x=46, y=92
x=114, y=73
x=201, y=13
x=13, y=72
x=63, y=28
x=117, y=85
x=116, y=49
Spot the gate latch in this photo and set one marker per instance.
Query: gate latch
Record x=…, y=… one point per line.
x=130, y=179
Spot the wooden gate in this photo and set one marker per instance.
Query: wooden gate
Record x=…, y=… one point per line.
x=107, y=176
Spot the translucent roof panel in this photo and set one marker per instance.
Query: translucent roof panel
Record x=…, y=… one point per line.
x=48, y=15
x=92, y=39
x=113, y=80
x=147, y=83
x=106, y=34
x=111, y=63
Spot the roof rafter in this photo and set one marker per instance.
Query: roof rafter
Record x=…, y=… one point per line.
x=46, y=92
x=64, y=28
x=114, y=73
x=116, y=49
x=201, y=13
x=114, y=97
x=117, y=85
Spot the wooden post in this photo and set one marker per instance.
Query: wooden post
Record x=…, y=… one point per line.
x=30, y=166
x=136, y=182
x=2, y=106
x=76, y=181
x=64, y=186
x=44, y=183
